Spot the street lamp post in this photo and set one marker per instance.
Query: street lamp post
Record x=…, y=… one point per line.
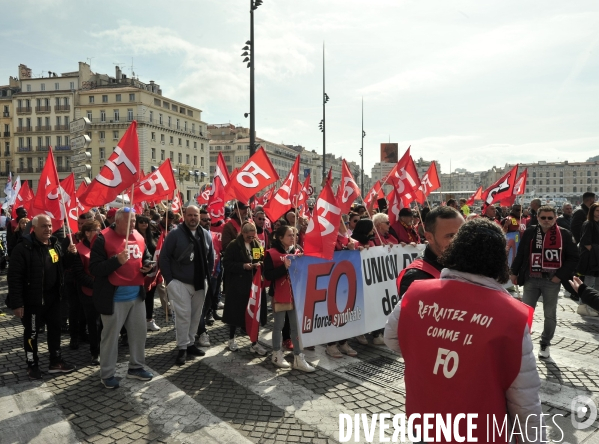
x=362, y=151
x=251, y=47
x=322, y=125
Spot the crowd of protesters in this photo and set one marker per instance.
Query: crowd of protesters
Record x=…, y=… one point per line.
x=99, y=285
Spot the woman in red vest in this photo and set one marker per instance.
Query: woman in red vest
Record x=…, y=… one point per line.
x=466, y=342
x=276, y=264
x=85, y=283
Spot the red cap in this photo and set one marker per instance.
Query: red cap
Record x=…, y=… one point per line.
x=111, y=213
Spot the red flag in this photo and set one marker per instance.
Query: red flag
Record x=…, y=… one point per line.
x=329, y=179
x=348, y=190
x=428, y=183
x=252, y=314
x=46, y=199
x=255, y=175
x=216, y=200
x=501, y=189
x=287, y=195
x=154, y=276
x=375, y=193
x=204, y=195
x=120, y=171
x=177, y=202
x=67, y=189
x=303, y=197
x=24, y=199
x=476, y=196
x=404, y=177
x=323, y=227
x=157, y=185
x=395, y=204
x=519, y=189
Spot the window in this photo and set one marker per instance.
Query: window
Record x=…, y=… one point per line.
x=201, y=161
x=89, y=115
x=57, y=101
x=157, y=102
x=66, y=140
x=160, y=119
x=58, y=140
x=48, y=141
x=56, y=86
x=102, y=135
x=115, y=135
x=72, y=85
x=169, y=121
x=162, y=139
x=129, y=115
x=588, y=173
x=171, y=140
x=172, y=156
x=187, y=143
x=102, y=115
x=105, y=99
x=195, y=145
x=30, y=142
x=131, y=97
x=118, y=97
x=175, y=109
x=28, y=88
x=185, y=126
x=162, y=155
x=179, y=141
x=153, y=136
x=116, y=115
x=561, y=181
x=180, y=158
x=193, y=128
x=151, y=116
x=574, y=189
x=178, y=125
x=102, y=151
x=40, y=142
x=195, y=160
x=58, y=120
x=153, y=153
x=187, y=159
x=574, y=174
x=91, y=99
x=43, y=86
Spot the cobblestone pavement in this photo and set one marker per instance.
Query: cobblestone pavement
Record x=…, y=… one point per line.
x=240, y=397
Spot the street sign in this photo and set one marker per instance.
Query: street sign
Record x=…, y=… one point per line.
x=80, y=142
x=81, y=157
x=82, y=169
x=79, y=125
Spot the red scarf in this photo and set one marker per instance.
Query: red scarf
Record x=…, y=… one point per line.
x=546, y=250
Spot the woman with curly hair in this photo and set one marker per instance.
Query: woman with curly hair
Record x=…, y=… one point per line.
x=465, y=341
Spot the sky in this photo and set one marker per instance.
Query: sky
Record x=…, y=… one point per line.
x=473, y=84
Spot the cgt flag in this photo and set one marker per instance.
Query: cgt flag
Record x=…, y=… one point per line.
x=252, y=313
x=501, y=189
x=120, y=171
x=323, y=227
x=255, y=175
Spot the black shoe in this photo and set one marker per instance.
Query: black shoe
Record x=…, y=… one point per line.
x=60, y=366
x=194, y=351
x=216, y=316
x=209, y=320
x=181, y=357
x=74, y=344
x=95, y=360
x=34, y=372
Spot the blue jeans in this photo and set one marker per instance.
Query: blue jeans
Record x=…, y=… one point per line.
x=535, y=287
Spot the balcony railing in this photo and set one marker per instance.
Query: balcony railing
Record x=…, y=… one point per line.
x=62, y=108
x=5, y=114
x=6, y=153
x=25, y=170
x=41, y=148
x=62, y=148
x=63, y=169
x=43, y=109
x=44, y=128
x=23, y=110
x=4, y=173
x=6, y=133
x=24, y=149
x=24, y=129
x=61, y=127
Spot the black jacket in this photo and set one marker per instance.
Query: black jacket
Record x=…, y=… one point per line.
x=565, y=222
x=26, y=272
x=414, y=274
x=101, y=266
x=521, y=264
x=578, y=218
x=589, y=296
x=588, y=264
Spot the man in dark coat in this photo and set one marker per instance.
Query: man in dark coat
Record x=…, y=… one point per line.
x=34, y=284
x=580, y=215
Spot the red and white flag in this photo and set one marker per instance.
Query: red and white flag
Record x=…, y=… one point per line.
x=24, y=199
x=302, y=202
x=158, y=185
x=204, y=195
x=286, y=196
x=323, y=227
x=67, y=188
x=75, y=207
x=428, y=183
x=255, y=175
x=374, y=194
x=47, y=198
x=395, y=204
x=216, y=200
x=404, y=177
x=120, y=171
x=252, y=313
x=154, y=276
x=519, y=189
x=501, y=189
x=348, y=190
x=177, y=202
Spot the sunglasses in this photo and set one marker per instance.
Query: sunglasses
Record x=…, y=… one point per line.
x=259, y=218
x=206, y=220
x=546, y=217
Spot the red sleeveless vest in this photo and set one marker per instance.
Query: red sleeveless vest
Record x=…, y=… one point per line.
x=462, y=346
x=127, y=274
x=84, y=254
x=418, y=264
x=282, y=286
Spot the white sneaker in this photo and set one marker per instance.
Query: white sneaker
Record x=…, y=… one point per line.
x=299, y=362
x=346, y=349
x=544, y=352
x=257, y=348
x=279, y=360
x=220, y=305
x=585, y=310
x=233, y=345
x=152, y=325
x=362, y=339
x=378, y=340
x=333, y=351
x=203, y=340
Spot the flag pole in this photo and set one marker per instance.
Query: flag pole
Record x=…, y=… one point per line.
x=129, y=218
